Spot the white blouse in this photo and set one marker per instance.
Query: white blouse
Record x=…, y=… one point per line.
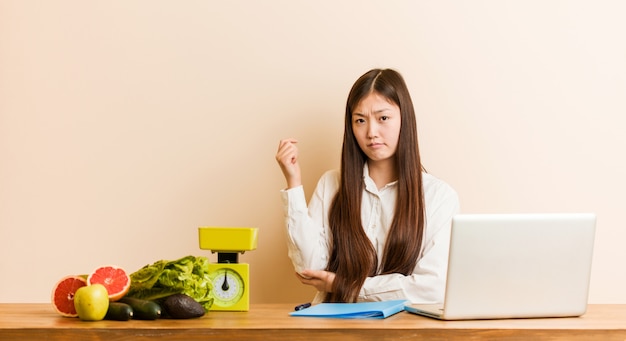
x=308, y=234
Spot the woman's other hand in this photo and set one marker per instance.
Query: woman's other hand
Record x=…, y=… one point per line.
x=320, y=279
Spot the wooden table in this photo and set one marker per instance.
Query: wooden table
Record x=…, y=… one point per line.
x=272, y=322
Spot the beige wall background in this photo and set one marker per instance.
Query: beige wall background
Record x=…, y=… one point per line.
x=125, y=125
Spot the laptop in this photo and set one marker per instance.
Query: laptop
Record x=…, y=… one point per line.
x=516, y=266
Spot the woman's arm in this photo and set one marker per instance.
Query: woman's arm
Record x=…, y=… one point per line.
x=427, y=282
x=425, y=285
x=307, y=227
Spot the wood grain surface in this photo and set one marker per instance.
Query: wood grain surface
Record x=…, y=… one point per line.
x=272, y=322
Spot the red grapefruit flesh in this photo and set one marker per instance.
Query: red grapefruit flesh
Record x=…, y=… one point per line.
x=63, y=294
x=114, y=279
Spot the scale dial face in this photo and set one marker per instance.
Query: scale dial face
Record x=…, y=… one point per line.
x=228, y=287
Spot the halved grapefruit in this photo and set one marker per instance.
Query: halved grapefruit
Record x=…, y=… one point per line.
x=114, y=279
x=63, y=294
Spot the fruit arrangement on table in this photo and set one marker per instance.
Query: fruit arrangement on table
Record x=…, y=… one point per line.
x=177, y=289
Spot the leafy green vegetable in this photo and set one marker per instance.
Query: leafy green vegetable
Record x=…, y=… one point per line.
x=163, y=278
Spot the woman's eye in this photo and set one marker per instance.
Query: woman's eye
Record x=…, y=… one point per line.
x=359, y=120
x=384, y=118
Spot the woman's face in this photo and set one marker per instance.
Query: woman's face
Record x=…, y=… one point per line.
x=376, y=126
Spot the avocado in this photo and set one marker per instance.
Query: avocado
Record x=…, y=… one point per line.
x=181, y=306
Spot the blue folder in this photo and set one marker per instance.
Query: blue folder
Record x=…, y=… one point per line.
x=378, y=310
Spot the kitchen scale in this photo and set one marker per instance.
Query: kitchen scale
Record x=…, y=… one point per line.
x=230, y=279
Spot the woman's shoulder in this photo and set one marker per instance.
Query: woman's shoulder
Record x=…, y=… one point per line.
x=327, y=187
x=330, y=178
x=440, y=197
x=437, y=187
x=331, y=174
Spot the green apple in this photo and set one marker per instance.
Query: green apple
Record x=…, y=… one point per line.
x=91, y=302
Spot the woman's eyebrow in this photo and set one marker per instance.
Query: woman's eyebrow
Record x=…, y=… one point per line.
x=377, y=111
x=381, y=110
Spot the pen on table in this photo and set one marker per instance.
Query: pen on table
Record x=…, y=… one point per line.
x=302, y=306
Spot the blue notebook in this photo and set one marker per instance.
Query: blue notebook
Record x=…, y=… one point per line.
x=378, y=310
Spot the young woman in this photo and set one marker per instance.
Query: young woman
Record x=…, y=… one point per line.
x=379, y=228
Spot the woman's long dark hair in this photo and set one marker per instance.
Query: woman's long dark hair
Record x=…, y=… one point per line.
x=352, y=255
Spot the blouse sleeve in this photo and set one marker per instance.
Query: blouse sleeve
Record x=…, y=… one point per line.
x=307, y=228
x=427, y=282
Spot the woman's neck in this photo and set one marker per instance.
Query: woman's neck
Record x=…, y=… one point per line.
x=382, y=172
